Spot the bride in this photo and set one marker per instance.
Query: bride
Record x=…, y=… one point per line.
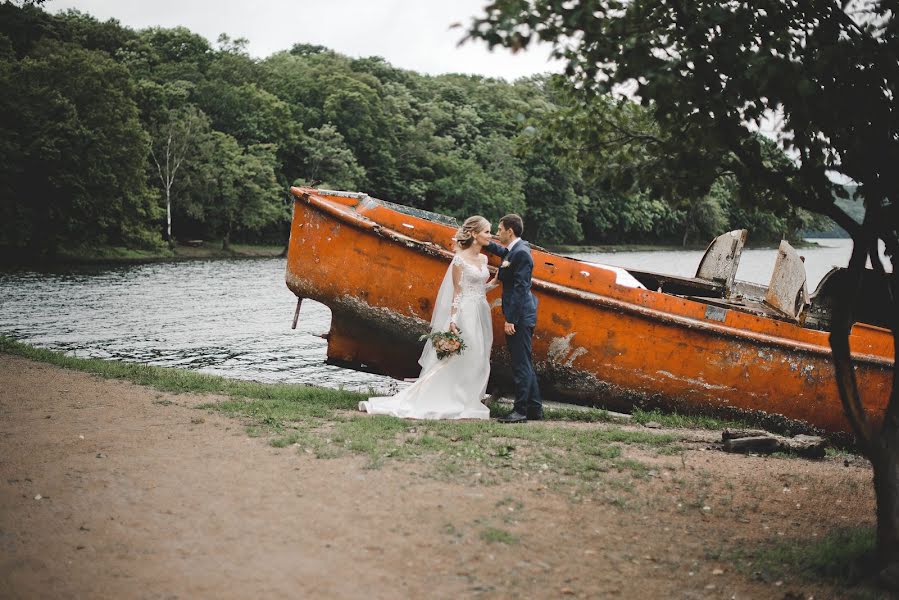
x=452, y=388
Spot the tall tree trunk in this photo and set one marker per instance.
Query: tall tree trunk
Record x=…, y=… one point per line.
x=687, y=225
x=886, y=469
x=886, y=490
x=168, y=214
x=173, y=153
x=879, y=445
x=226, y=239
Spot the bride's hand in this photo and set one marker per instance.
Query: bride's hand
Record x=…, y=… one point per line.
x=453, y=328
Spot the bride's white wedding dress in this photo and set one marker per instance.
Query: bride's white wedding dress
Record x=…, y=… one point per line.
x=451, y=388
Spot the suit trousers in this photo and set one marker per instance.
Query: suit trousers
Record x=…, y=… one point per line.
x=527, y=393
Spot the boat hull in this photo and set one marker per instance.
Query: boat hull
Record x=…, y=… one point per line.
x=596, y=342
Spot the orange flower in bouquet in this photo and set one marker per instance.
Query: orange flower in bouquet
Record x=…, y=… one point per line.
x=446, y=343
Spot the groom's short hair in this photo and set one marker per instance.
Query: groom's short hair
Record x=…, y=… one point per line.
x=513, y=222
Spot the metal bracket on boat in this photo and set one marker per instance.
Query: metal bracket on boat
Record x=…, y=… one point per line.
x=296, y=314
x=721, y=259
x=715, y=313
x=787, y=291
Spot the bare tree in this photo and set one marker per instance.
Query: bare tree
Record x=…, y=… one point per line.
x=170, y=145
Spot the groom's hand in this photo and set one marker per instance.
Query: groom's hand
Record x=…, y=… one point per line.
x=509, y=328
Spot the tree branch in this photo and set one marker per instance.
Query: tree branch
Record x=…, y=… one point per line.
x=841, y=326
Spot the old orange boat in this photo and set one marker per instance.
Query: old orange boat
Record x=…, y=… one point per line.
x=605, y=336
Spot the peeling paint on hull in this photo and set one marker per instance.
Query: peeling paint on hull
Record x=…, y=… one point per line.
x=595, y=343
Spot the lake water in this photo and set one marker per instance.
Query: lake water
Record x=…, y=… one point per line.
x=233, y=317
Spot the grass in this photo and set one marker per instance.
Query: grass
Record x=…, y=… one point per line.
x=112, y=254
x=494, y=535
x=319, y=421
x=273, y=400
x=844, y=558
x=681, y=421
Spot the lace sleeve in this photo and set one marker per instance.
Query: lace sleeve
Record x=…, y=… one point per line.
x=492, y=281
x=456, y=267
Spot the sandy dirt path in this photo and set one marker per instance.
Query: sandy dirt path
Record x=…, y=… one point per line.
x=144, y=496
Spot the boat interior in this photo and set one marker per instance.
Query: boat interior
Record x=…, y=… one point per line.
x=785, y=297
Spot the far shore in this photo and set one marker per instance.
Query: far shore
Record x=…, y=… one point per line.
x=212, y=250
x=192, y=250
x=615, y=248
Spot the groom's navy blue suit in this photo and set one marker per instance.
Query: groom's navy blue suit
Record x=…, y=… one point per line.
x=520, y=309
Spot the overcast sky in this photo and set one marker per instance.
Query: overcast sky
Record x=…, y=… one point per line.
x=409, y=34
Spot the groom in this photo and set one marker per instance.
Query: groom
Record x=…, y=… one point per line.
x=520, y=311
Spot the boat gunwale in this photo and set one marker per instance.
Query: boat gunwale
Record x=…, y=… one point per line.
x=620, y=305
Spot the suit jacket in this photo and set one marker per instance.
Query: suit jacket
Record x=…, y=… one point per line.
x=519, y=304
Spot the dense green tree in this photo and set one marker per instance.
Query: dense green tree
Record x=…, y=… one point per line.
x=165, y=55
x=618, y=147
x=233, y=63
x=551, y=201
x=466, y=189
x=329, y=161
x=322, y=88
x=627, y=218
x=454, y=143
x=355, y=106
x=244, y=193
x=249, y=114
x=708, y=216
x=711, y=73
x=92, y=34
x=74, y=153
x=25, y=26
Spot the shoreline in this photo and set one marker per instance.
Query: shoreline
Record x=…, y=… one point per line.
x=213, y=251
x=623, y=248
x=122, y=255
x=173, y=379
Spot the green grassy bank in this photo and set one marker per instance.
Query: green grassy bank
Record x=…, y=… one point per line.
x=323, y=421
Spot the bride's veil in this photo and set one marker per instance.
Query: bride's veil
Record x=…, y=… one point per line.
x=440, y=318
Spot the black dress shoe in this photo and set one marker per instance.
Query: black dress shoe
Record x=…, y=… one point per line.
x=513, y=417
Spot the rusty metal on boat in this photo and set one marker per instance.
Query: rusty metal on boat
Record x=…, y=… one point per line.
x=709, y=344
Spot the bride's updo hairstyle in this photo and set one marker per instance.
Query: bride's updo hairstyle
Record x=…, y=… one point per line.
x=471, y=227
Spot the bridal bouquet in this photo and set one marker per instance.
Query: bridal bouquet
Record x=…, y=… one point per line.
x=446, y=343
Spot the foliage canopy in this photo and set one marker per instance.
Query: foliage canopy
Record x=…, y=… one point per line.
x=458, y=144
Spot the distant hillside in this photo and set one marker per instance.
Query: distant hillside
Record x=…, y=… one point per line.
x=853, y=207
